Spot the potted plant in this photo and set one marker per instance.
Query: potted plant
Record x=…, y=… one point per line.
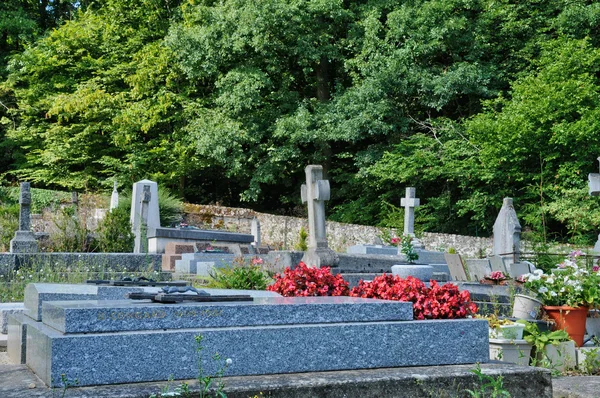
x=554, y=350
x=567, y=293
x=503, y=328
x=506, y=341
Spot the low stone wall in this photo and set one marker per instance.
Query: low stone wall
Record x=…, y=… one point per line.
x=282, y=232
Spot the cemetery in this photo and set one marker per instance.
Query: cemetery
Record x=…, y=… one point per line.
x=369, y=310
x=297, y=199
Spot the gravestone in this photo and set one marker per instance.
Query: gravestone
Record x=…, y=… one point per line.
x=456, y=268
x=24, y=240
x=114, y=198
x=507, y=233
x=255, y=231
x=136, y=208
x=594, y=185
x=314, y=193
x=141, y=233
x=410, y=202
x=86, y=340
x=478, y=268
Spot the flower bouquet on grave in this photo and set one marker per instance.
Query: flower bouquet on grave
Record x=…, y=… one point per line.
x=495, y=278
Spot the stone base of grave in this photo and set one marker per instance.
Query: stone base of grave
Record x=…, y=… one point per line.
x=266, y=336
x=24, y=242
x=422, y=272
x=436, y=381
x=320, y=257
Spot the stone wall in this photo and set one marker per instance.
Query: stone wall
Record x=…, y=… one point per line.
x=282, y=232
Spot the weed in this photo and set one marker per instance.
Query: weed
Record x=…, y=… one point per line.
x=488, y=386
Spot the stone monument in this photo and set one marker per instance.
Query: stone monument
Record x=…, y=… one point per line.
x=114, y=198
x=314, y=193
x=141, y=234
x=153, y=216
x=594, y=185
x=255, y=231
x=507, y=233
x=24, y=240
x=410, y=202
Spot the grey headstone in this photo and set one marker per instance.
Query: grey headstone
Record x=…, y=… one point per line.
x=478, y=268
x=24, y=240
x=255, y=231
x=314, y=193
x=422, y=272
x=456, y=268
x=498, y=263
x=136, y=207
x=114, y=197
x=507, y=232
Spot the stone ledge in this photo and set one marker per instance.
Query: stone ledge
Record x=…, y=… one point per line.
x=414, y=382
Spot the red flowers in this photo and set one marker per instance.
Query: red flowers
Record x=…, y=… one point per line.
x=434, y=302
x=305, y=281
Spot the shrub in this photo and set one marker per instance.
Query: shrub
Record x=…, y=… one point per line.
x=241, y=276
x=170, y=207
x=305, y=281
x=68, y=231
x=9, y=223
x=434, y=302
x=114, y=233
x=302, y=244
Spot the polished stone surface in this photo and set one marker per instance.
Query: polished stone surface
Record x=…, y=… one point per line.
x=7, y=309
x=109, y=358
x=110, y=316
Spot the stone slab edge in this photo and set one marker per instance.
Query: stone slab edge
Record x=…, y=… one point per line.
x=254, y=350
x=521, y=382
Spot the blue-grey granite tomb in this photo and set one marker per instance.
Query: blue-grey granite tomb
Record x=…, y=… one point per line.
x=124, y=341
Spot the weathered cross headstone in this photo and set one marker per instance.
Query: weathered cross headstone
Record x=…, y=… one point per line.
x=314, y=193
x=136, y=208
x=114, y=198
x=410, y=202
x=255, y=231
x=507, y=233
x=24, y=240
x=141, y=235
x=594, y=185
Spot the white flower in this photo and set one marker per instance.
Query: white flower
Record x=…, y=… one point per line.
x=550, y=280
x=543, y=289
x=538, y=272
x=228, y=362
x=553, y=293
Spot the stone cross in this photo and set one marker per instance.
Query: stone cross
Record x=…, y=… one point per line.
x=507, y=232
x=409, y=202
x=114, y=198
x=153, y=212
x=314, y=193
x=141, y=237
x=24, y=240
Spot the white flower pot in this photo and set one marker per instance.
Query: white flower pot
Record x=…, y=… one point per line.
x=526, y=307
x=560, y=357
x=511, y=332
x=592, y=323
x=514, y=351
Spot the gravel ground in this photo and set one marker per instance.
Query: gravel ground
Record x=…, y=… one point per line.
x=4, y=359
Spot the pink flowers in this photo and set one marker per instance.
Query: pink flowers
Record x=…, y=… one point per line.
x=396, y=241
x=257, y=261
x=497, y=276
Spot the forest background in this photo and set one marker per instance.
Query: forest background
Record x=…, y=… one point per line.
x=227, y=101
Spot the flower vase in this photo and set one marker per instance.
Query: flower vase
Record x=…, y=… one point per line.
x=526, y=307
x=571, y=319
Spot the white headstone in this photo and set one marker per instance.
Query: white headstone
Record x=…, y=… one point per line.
x=136, y=206
x=255, y=231
x=141, y=234
x=314, y=193
x=114, y=198
x=507, y=233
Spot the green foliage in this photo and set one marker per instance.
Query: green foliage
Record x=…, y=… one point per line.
x=114, y=234
x=489, y=386
x=302, y=244
x=247, y=277
x=170, y=206
x=540, y=340
x=69, y=232
x=9, y=223
x=407, y=248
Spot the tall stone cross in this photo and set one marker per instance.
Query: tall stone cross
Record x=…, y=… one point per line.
x=409, y=202
x=24, y=240
x=141, y=238
x=314, y=193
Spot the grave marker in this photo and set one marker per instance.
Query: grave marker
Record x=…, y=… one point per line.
x=141, y=235
x=24, y=240
x=507, y=232
x=114, y=198
x=410, y=202
x=152, y=212
x=314, y=193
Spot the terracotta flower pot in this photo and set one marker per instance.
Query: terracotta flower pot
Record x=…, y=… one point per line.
x=571, y=319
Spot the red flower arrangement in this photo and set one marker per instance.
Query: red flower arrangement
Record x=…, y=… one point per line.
x=434, y=302
x=306, y=281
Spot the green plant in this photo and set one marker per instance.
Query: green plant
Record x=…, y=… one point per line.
x=539, y=340
x=452, y=250
x=407, y=248
x=488, y=386
x=591, y=362
x=69, y=232
x=64, y=384
x=206, y=382
x=302, y=244
x=114, y=233
x=170, y=206
x=9, y=223
x=241, y=275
